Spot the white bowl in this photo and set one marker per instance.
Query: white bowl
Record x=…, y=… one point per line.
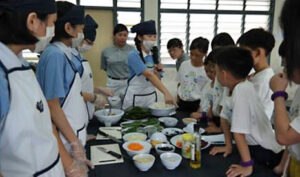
x=146, y=148
x=170, y=160
x=143, y=161
x=158, y=137
x=168, y=121
x=113, y=119
x=159, y=151
x=134, y=137
x=161, y=109
x=186, y=121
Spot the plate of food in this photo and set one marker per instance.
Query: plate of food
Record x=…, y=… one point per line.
x=172, y=131
x=161, y=109
x=177, y=141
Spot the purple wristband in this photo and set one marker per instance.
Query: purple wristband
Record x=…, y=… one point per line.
x=279, y=94
x=247, y=164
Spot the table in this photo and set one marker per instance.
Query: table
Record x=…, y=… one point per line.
x=212, y=166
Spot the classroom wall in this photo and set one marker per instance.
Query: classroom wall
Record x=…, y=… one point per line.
x=104, y=38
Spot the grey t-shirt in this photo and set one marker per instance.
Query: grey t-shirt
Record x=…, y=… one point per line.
x=114, y=61
x=183, y=58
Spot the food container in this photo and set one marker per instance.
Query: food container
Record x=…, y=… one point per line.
x=161, y=109
x=114, y=118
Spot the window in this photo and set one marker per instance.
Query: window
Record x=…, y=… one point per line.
x=188, y=19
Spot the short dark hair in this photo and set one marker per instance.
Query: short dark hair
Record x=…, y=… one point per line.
x=119, y=28
x=282, y=49
x=211, y=57
x=222, y=40
x=174, y=42
x=258, y=37
x=62, y=8
x=201, y=44
x=237, y=61
x=16, y=31
x=290, y=24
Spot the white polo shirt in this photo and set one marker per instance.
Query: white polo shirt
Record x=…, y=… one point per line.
x=261, y=81
x=248, y=117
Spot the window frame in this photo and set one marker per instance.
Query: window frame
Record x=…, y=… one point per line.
x=115, y=9
x=216, y=12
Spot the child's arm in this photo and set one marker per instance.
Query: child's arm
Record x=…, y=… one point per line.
x=104, y=91
x=227, y=149
x=285, y=134
x=238, y=170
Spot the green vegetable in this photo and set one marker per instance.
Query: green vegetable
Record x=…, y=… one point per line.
x=137, y=113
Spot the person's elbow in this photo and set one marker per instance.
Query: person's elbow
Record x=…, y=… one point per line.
x=147, y=73
x=282, y=139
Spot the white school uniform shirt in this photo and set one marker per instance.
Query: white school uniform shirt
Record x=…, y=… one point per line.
x=261, y=81
x=217, y=97
x=249, y=118
x=295, y=124
x=192, y=80
x=207, y=97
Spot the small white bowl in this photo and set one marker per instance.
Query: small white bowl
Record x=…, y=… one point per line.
x=134, y=137
x=170, y=160
x=168, y=121
x=106, y=119
x=146, y=148
x=159, y=151
x=143, y=161
x=186, y=121
x=158, y=137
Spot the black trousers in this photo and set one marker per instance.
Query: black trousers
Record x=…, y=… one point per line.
x=188, y=106
x=265, y=157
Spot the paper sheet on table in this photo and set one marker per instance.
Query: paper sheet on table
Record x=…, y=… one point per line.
x=214, y=139
x=101, y=158
x=113, y=131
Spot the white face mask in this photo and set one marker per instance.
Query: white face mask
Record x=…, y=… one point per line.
x=148, y=44
x=44, y=41
x=84, y=48
x=76, y=42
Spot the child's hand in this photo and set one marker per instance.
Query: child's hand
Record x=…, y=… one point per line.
x=196, y=115
x=238, y=170
x=279, y=82
x=221, y=149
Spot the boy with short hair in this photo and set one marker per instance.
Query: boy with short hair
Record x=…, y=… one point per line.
x=260, y=43
x=192, y=77
x=175, y=49
x=243, y=115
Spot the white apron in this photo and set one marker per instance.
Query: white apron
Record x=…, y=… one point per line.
x=88, y=86
x=140, y=92
x=119, y=88
x=74, y=108
x=28, y=147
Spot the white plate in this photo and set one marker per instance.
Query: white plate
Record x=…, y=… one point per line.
x=172, y=131
x=177, y=138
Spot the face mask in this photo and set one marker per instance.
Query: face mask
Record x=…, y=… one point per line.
x=84, y=48
x=148, y=44
x=44, y=41
x=76, y=42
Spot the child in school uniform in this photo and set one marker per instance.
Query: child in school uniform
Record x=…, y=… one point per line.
x=243, y=115
x=260, y=43
x=192, y=77
x=175, y=49
x=222, y=40
x=209, y=107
